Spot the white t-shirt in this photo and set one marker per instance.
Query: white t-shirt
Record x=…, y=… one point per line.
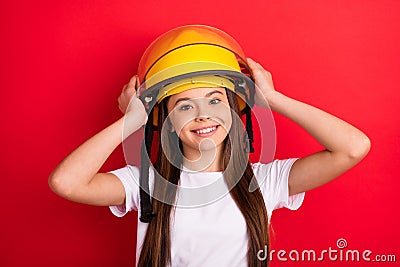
x=214, y=234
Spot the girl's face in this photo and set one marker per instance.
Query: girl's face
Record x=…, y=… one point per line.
x=201, y=117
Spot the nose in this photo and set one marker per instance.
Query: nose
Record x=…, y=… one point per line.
x=202, y=112
x=202, y=118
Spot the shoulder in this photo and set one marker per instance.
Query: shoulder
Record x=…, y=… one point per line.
x=130, y=177
x=127, y=170
x=272, y=179
x=273, y=169
x=130, y=171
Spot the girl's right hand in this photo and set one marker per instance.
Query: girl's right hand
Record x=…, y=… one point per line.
x=130, y=103
x=77, y=177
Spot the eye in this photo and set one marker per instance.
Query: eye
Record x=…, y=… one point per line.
x=215, y=101
x=185, y=107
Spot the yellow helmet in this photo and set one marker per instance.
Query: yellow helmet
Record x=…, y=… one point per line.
x=193, y=56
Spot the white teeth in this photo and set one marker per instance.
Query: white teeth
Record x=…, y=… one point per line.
x=207, y=130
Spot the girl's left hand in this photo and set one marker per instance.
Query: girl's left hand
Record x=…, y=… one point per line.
x=264, y=84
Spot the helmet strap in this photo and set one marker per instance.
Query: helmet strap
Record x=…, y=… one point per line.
x=145, y=199
x=249, y=131
x=249, y=139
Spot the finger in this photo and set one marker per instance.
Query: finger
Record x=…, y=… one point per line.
x=133, y=81
x=260, y=67
x=254, y=65
x=134, y=77
x=130, y=88
x=251, y=62
x=137, y=84
x=266, y=72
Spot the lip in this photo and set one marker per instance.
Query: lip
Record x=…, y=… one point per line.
x=205, y=127
x=206, y=134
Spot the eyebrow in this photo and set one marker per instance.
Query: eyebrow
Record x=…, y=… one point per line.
x=207, y=95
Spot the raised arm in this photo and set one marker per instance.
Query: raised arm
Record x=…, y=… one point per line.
x=344, y=144
x=76, y=178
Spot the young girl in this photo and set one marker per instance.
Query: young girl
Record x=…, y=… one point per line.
x=194, y=219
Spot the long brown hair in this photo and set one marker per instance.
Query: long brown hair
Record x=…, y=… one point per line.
x=156, y=249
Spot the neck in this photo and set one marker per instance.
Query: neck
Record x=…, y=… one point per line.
x=204, y=160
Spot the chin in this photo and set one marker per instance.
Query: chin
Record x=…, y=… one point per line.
x=206, y=144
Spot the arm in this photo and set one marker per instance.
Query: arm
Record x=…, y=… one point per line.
x=76, y=178
x=345, y=145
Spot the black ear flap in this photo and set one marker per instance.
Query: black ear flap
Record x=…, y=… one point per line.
x=248, y=136
x=145, y=198
x=249, y=131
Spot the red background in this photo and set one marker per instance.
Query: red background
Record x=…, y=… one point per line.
x=63, y=66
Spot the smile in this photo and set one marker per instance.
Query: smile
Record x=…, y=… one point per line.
x=204, y=132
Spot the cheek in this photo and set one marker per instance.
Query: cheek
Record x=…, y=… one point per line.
x=227, y=125
x=180, y=120
x=224, y=113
